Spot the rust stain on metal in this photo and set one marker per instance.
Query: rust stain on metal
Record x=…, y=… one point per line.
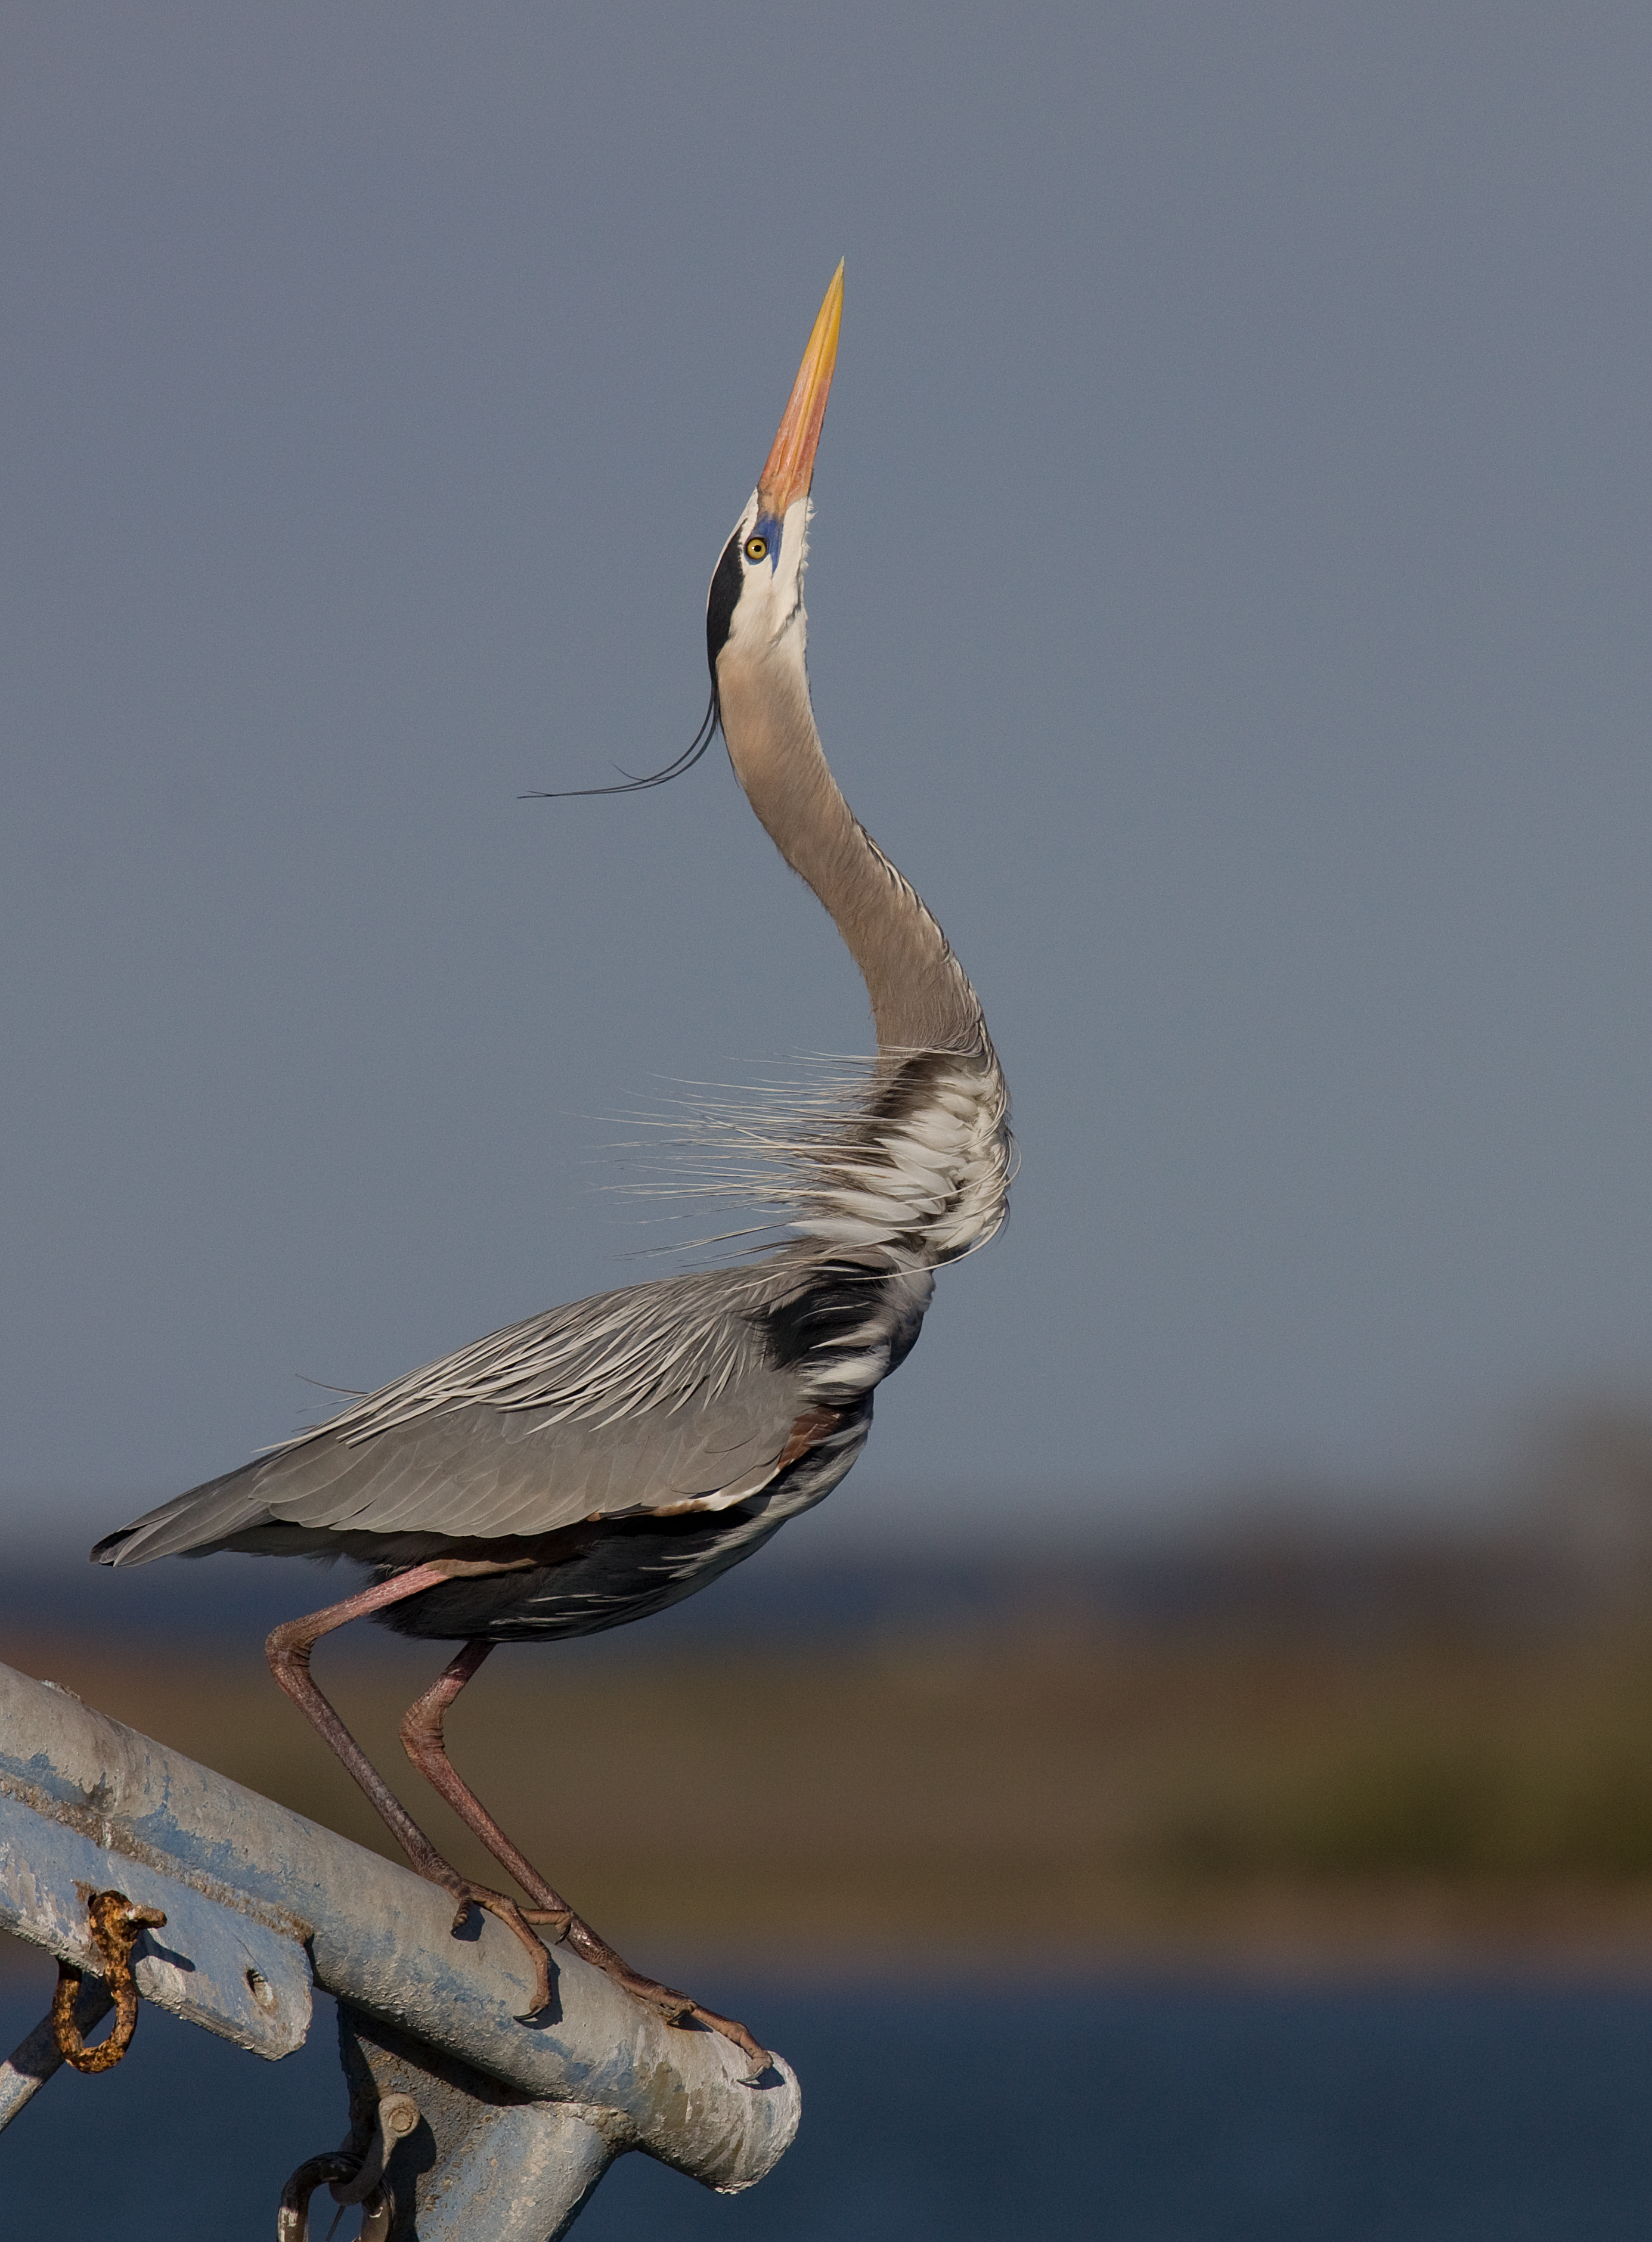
x=114, y=1923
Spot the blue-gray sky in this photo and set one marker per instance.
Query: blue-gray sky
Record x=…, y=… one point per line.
x=1228, y=603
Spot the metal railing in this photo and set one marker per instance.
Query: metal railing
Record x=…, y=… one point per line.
x=464, y=2120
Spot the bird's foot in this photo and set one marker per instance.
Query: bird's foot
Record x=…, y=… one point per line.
x=566, y=1928
x=681, y=2009
x=469, y=1895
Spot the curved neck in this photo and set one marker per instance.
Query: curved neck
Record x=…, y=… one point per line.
x=921, y=996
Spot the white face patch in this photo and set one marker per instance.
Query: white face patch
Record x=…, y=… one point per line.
x=771, y=596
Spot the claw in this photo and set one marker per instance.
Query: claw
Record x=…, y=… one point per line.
x=682, y=2008
x=679, y=2009
x=676, y=2007
x=729, y=2029
x=516, y=1919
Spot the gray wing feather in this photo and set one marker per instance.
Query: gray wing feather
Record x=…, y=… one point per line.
x=634, y=1400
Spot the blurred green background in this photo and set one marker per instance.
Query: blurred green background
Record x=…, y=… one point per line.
x=1284, y=1736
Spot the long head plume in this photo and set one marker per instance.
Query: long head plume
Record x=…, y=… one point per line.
x=674, y=768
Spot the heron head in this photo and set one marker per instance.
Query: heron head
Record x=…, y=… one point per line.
x=755, y=605
x=756, y=597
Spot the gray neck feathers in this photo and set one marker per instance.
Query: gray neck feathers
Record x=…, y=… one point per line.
x=921, y=998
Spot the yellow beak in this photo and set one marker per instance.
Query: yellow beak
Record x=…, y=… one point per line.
x=790, y=466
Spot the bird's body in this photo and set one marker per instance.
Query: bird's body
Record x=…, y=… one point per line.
x=626, y=1449
x=599, y=1462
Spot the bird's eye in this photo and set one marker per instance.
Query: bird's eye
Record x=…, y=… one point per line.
x=757, y=548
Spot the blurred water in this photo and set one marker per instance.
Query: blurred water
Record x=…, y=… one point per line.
x=1454, y=2113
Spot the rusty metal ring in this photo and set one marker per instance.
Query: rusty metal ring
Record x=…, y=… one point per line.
x=114, y=1923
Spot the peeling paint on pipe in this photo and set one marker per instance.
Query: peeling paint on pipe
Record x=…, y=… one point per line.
x=376, y=1936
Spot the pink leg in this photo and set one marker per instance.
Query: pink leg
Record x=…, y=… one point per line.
x=288, y=1651
x=421, y=1737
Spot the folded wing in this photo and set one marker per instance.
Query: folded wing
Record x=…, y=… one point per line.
x=660, y=1398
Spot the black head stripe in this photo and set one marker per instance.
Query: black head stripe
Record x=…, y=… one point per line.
x=721, y=600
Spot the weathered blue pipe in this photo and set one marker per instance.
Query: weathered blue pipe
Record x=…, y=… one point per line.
x=377, y=1937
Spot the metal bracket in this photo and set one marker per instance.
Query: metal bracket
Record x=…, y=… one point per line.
x=478, y=2163
x=467, y=2124
x=219, y=1963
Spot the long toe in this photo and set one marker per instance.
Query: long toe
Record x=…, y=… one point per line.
x=682, y=2009
x=676, y=2007
x=468, y=1896
x=732, y=2028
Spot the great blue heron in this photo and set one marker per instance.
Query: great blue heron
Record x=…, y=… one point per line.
x=602, y=1461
